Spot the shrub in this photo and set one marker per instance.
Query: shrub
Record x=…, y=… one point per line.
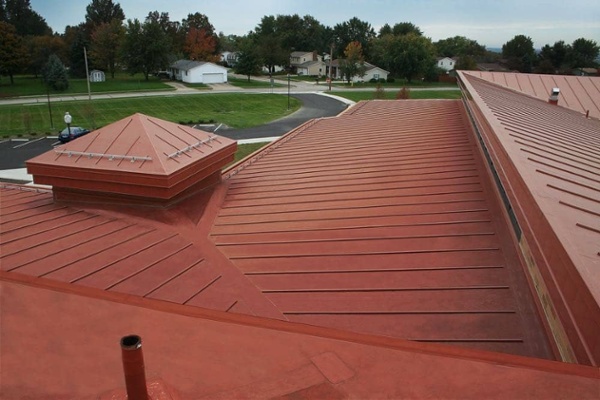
x=379, y=92
x=373, y=80
x=390, y=79
x=403, y=94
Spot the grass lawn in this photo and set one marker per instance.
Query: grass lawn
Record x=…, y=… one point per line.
x=233, y=109
x=391, y=94
x=243, y=83
x=244, y=150
x=398, y=83
x=200, y=86
x=28, y=85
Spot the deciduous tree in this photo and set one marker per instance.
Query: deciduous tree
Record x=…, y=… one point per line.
x=583, y=53
x=145, y=48
x=106, y=44
x=249, y=61
x=13, y=56
x=404, y=28
x=519, y=53
x=555, y=56
x=39, y=49
x=200, y=46
x=103, y=12
x=353, y=63
x=353, y=30
x=459, y=46
x=405, y=56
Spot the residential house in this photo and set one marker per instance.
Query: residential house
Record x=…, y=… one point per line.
x=198, y=72
x=447, y=63
x=586, y=71
x=229, y=58
x=371, y=72
x=307, y=63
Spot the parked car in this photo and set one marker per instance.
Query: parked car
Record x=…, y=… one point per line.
x=73, y=133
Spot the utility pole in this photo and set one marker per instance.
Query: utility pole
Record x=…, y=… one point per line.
x=87, y=74
x=330, y=61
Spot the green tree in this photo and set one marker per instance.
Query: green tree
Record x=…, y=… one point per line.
x=172, y=29
x=145, y=48
x=459, y=46
x=519, y=53
x=269, y=44
x=386, y=29
x=249, y=61
x=583, y=53
x=404, y=28
x=466, y=63
x=40, y=48
x=555, y=55
x=106, y=44
x=353, y=63
x=55, y=74
x=76, y=51
x=353, y=30
x=406, y=56
x=103, y=12
x=26, y=21
x=13, y=56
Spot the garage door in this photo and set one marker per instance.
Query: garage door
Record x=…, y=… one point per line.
x=212, y=78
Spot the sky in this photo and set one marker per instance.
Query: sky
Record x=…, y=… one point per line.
x=490, y=22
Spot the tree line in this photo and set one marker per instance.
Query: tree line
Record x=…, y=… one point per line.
x=27, y=44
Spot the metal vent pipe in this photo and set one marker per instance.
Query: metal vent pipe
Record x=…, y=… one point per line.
x=133, y=367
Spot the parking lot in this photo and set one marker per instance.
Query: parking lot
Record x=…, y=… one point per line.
x=14, y=152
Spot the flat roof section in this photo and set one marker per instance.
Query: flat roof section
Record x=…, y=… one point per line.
x=382, y=221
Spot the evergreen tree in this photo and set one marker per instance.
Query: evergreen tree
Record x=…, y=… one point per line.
x=55, y=74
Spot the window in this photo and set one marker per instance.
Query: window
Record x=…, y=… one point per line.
x=375, y=76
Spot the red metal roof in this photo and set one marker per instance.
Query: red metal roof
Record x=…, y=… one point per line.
x=578, y=93
x=137, y=156
x=382, y=221
x=549, y=160
x=148, y=253
x=384, y=224
x=62, y=342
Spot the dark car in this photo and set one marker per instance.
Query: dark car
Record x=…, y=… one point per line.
x=73, y=133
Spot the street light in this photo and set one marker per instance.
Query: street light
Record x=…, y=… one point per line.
x=68, y=120
x=289, y=91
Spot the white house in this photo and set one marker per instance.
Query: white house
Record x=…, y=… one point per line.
x=446, y=63
x=298, y=58
x=229, y=57
x=198, y=72
x=97, y=76
x=371, y=72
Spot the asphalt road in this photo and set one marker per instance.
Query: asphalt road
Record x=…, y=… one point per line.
x=14, y=153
